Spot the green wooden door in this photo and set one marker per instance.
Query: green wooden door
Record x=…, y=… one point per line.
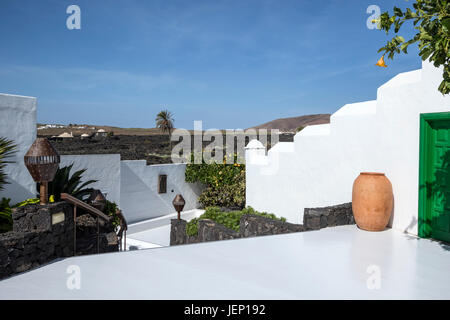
x=438, y=178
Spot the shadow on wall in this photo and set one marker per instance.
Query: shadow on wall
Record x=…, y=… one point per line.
x=411, y=225
x=135, y=197
x=140, y=199
x=437, y=201
x=15, y=188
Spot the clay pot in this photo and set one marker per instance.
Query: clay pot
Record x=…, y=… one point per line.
x=372, y=201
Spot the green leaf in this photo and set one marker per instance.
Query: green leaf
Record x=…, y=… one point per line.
x=71, y=184
x=7, y=150
x=80, y=188
x=425, y=53
x=446, y=24
x=404, y=47
x=431, y=23
x=398, y=12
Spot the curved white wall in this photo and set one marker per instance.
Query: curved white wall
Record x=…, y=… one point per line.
x=319, y=167
x=18, y=123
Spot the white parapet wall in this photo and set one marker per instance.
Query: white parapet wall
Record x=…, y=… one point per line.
x=18, y=123
x=105, y=168
x=319, y=167
x=139, y=197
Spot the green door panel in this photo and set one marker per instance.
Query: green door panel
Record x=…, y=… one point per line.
x=438, y=178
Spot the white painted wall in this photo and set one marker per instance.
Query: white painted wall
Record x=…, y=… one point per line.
x=139, y=197
x=319, y=167
x=18, y=123
x=130, y=184
x=102, y=167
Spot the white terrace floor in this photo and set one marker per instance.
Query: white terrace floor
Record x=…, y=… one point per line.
x=331, y=263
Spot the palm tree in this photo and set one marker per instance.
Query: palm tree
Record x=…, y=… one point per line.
x=164, y=121
x=7, y=149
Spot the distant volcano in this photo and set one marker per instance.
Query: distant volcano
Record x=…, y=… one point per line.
x=291, y=124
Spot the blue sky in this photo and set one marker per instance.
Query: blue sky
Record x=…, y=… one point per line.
x=232, y=64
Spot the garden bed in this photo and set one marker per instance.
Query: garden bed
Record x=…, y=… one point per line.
x=218, y=224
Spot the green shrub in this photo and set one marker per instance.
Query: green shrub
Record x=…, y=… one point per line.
x=228, y=219
x=32, y=201
x=110, y=210
x=5, y=215
x=225, y=182
x=232, y=195
x=26, y=202
x=214, y=174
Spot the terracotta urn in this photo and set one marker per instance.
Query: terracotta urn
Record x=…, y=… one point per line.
x=372, y=201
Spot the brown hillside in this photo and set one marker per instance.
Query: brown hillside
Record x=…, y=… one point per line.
x=291, y=124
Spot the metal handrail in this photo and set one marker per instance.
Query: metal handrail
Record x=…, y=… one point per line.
x=78, y=203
